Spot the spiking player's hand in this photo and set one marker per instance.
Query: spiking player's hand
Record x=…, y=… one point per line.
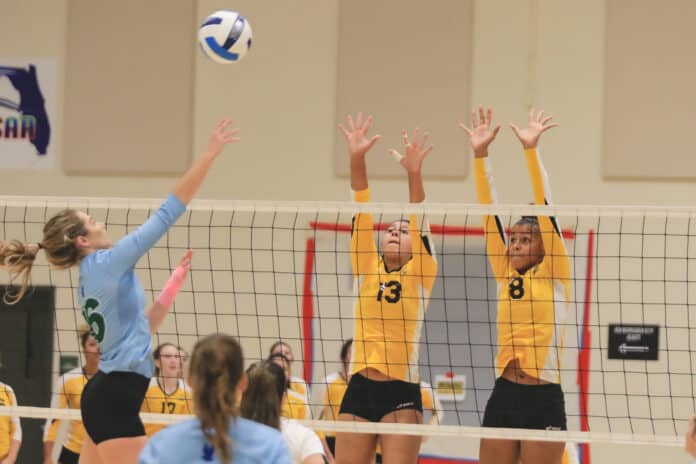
x=356, y=135
x=221, y=136
x=537, y=124
x=416, y=151
x=481, y=135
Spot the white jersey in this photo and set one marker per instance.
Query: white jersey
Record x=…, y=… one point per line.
x=303, y=442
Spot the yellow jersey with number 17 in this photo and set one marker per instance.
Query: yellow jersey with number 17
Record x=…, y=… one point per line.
x=532, y=307
x=391, y=305
x=180, y=401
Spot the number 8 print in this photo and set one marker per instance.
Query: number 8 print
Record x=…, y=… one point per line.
x=516, y=288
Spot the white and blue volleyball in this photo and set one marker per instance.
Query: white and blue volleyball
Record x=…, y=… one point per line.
x=225, y=36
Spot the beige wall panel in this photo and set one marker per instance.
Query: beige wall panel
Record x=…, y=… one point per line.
x=129, y=86
x=409, y=65
x=649, y=90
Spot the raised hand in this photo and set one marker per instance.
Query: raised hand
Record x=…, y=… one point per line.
x=221, y=136
x=481, y=135
x=416, y=151
x=537, y=124
x=356, y=135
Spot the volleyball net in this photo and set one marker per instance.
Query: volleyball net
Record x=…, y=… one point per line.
x=269, y=272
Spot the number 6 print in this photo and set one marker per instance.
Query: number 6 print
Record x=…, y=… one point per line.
x=95, y=320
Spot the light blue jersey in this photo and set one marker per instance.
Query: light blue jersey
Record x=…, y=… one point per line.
x=112, y=299
x=184, y=443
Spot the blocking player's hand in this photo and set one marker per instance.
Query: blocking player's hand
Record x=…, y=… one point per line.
x=537, y=124
x=415, y=150
x=481, y=134
x=356, y=135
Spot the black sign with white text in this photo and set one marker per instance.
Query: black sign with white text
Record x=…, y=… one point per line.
x=633, y=341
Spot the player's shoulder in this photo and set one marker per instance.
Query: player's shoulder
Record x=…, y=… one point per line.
x=153, y=383
x=296, y=398
x=97, y=258
x=183, y=391
x=6, y=387
x=298, y=380
x=73, y=375
x=332, y=377
x=184, y=387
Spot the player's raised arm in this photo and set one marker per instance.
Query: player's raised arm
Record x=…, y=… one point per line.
x=416, y=149
x=223, y=134
x=551, y=235
x=355, y=133
x=363, y=248
x=481, y=135
x=134, y=245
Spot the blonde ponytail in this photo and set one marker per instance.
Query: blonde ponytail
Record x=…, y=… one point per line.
x=215, y=371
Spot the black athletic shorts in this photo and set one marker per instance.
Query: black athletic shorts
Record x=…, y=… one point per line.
x=372, y=400
x=111, y=405
x=68, y=457
x=519, y=406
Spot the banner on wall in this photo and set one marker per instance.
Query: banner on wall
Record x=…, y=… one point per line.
x=27, y=109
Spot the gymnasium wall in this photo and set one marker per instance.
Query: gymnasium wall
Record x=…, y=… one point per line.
x=544, y=53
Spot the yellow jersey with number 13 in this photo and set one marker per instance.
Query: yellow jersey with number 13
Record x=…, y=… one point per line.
x=391, y=305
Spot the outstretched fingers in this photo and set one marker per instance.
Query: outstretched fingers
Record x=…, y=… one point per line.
x=351, y=124
x=231, y=135
x=344, y=131
x=372, y=141
x=465, y=129
x=368, y=123
x=482, y=116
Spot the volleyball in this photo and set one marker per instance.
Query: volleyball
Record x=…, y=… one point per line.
x=225, y=36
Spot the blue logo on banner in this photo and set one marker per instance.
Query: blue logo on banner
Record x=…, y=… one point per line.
x=32, y=121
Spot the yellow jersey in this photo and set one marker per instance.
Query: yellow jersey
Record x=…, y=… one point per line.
x=300, y=387
x=294, y=406
x=10, y=428
x=390, y=306
x=180, y=401
x=532, y=307
x=67, y=394
x=336, y=387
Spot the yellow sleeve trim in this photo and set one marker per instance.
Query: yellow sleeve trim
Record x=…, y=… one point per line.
x=362, y=196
